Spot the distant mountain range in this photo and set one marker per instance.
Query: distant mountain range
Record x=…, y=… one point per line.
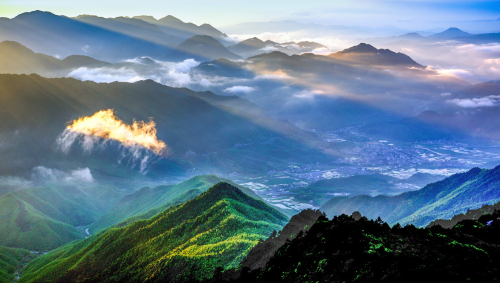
x=182, y=244
x=254, y=46
x=200, y=48
x=173, y=26
x=443, y=199
x=366, y=54
x=109, y=39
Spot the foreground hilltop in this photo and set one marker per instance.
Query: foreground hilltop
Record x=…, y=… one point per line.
x=182, y=244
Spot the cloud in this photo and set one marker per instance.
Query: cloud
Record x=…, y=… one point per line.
x=308, y=94
x=44, y=174
x=9, y=181
x=321, y=51
x=85, y=48
x=276, y=75
x=404, y=49
x=445, y=94
x=239, y=88
x=105, y=125
x=489, y=101
x=105, y=75
x=269, y=48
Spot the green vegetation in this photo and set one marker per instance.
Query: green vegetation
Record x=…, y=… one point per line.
x=182, y=244
x=148, y=202
x=11, y=261
x=21, y=225
x=444, y=199
x=44, y=218
x=345, y=250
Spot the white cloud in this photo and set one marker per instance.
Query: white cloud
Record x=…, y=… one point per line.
x=269, y=48
x=105, y=75
x=489, y=101
x=85, y=48
x=321, y=51
x=308, y=94
x=445, y=94
x=239, y=88
x=44, y=174
x=404, y=49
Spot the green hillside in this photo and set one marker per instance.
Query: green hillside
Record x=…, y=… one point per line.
x=11, y=261
x=21, y=225
x=148, y=202
x=473, y=214
x=184, y=243
x=444, y=199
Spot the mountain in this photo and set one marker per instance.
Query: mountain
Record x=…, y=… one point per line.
x=11, y=261
x=471, y=214
x=201, y=48
x=366, y=54
x=320, y=192
x=148, y=202
x=444, y=199
x=263, y=251
x=250, y=45
x=61, y=36
x=24, y=226
x=450, y=33
x=173, y=26
x=254, y=46
x=182, y=244
x=18, y=59
x=347, y=250
x=182, y=120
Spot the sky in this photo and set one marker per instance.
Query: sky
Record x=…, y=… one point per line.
x=409, y=14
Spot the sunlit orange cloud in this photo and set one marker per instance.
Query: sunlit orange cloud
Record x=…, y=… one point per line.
x=104, y=124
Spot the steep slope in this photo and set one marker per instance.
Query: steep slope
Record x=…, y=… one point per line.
x=368, y=55
x=158, y=199
x=263, y=251
x=21, y=225
x=346, y=250
x=200, y=48
x=11, y=261
x=444, y=199
x=184, y=243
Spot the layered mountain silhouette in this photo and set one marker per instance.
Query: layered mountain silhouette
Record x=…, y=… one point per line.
x=443, y=199
x=255, y=46
x=62, y=36
x=174, y=26
x=18, y=59
x=200, y=48
x=182, y=244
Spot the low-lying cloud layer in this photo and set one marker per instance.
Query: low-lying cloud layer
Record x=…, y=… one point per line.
x=488, y=101
x=44, y=174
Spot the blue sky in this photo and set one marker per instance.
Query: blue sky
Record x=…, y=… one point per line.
x=406, y=14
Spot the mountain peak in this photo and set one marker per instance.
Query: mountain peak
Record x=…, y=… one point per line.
x=170, y=18
x=451, y=32
x=360, y=48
